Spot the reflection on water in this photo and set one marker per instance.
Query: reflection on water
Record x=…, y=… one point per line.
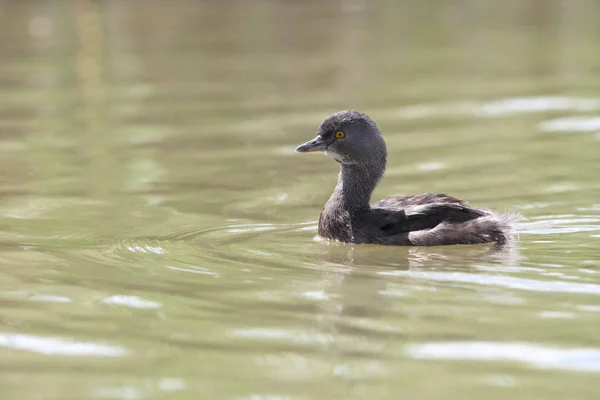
x=157, y=230
x=540, y=357
x=54, y=346
x=505, y=281
x=571, y=124
x=131, y=301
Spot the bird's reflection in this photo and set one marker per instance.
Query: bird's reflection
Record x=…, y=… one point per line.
x=405, y=258
x=356, y=299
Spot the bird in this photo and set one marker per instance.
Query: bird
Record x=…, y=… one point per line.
x=355, y=142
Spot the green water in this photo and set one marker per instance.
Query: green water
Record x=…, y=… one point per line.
x=157, y=230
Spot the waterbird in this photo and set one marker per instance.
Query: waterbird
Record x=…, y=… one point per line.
x=354, y=141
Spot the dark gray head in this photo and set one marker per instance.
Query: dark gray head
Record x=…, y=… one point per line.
x=351, y=138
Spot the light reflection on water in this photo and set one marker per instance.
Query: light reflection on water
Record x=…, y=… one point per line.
x=571, y=124
x=537, y=356
x=58, y=346
x=494, y=109
x=503, y=281
x=131, y=301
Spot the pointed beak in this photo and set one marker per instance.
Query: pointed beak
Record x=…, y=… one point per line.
x=317, y=144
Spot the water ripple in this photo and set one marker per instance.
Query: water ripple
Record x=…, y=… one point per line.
x=569, y=223
x=571, y=124
x=57, y=346
x=131, y=301
x=499, y=280
x=577, y=359
x=494, y=108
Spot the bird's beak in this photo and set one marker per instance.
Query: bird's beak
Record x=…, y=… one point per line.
x=317, y=144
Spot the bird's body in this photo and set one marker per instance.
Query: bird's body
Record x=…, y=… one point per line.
x=356, y=144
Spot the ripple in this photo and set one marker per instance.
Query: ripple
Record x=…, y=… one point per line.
x=589, y=308
x=282, y=334
x=146, y=249
x=223, y=232
x=196, y=270
x=517, y=105
x=571, y=124
x=199, y=250
x=318, y=295
x=209, y=243
x=502, y=281
x=171, y=384
x=131, y=301
x=57, y=346
x=533, y=206
x=578, y=359
x=253, y=228
x=551, y=224
x=264, y=396
x=561, y=188
x=431, y=166
x=50, y=299
x=556, y=315
x=495, y=108
x=122, y=392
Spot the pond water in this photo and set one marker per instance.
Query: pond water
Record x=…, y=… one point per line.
x=157, y=230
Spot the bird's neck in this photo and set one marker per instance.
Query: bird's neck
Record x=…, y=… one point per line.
x=355, y=185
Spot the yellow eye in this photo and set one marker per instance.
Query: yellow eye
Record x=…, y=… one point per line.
x=340, y=135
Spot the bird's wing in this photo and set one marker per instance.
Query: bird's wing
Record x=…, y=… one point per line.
x=422, y=217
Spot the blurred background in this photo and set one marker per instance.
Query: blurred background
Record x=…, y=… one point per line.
x=157, y=228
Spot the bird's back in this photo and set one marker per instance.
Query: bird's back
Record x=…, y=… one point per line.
x=402, y=202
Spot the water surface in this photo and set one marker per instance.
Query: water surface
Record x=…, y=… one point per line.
x=157, y=228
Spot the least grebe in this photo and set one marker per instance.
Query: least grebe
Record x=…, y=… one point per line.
x=355, y=142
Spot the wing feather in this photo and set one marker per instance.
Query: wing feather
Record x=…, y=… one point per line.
x=423, y=217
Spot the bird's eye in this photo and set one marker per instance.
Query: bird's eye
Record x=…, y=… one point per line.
x=340, y=135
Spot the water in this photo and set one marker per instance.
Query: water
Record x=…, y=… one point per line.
x=157, y=229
